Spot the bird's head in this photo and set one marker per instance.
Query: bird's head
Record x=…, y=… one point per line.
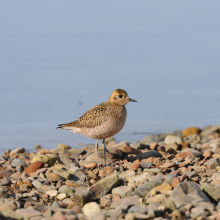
x=120, y=97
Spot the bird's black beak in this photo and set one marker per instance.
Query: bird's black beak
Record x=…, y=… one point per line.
x=132, y=100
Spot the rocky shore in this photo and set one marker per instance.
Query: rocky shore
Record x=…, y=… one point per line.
x=166, y=176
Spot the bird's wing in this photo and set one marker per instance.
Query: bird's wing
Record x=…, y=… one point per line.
x=92, y=118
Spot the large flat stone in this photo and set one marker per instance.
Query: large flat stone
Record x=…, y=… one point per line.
x=102, y=187
x=187, y=193
x=212, y=191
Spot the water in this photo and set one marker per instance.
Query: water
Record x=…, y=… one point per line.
x=58, y=59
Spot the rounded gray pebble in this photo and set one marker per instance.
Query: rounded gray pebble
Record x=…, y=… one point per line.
x=17, y=162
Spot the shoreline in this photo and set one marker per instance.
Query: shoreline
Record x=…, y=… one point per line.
x=167, y=176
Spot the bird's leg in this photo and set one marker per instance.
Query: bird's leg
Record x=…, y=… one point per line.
x=104, y=149
x=96, y=150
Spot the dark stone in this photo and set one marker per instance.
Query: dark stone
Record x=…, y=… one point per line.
x=150, y=153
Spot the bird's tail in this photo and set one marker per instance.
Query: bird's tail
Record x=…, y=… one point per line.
x=60, y=126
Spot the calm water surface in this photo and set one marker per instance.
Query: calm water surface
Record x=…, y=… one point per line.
x=58, y=59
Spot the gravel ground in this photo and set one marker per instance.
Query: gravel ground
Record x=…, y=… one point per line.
x=166, y=176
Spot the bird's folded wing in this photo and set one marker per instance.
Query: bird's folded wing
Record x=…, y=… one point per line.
x=92, y=118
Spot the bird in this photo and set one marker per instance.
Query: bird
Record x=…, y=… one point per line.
x=102, y=121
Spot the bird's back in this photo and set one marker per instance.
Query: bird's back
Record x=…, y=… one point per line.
x=100, y=122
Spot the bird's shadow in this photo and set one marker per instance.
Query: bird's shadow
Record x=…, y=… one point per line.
x=115, y=154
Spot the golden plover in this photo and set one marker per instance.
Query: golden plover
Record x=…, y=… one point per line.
x=103, y=120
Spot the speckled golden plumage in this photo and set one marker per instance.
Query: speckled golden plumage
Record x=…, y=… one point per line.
x=104, y=120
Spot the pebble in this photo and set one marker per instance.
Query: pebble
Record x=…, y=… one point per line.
x=17, y=162
x=43, y=152
x=169, y=204
x=140, y=179
x=52, y=192
x=16, y=151
x=187, y=192
x=122, y=191
x=37, y=184
x=61, y=196
x=152, y=138
x=195, y=152
x=48, y=159
x=65, y=189
x=126, y=175
x=190, y=131
x=212, y=191
x=2, y=192
x=153, y=170
x=209, y=130
x=33, y=167
x=216, y=177
x=163, y=188
x=90, y=146
x=28, y=213
x=129, y=150
x=142, y=146
x=116, y=197
x=55, y=177
x=145, y=188
x=171, y=148
x=61, y=217
x=175, y=182
x=77, y=209
x=106, y=171
x=90, y=165
x=146, y=165
x=213, y=163
x=100, y=188
x=91, y=209
x=5, y=182
x=150, y=153
x=134, y=166
x=65, y=146
x=183, y=155
x=6, y=173
x=208, y=153
x=62, y=172
x=157, y=199
x=106, y=200
x=170, y=139
x=153, y=145
x=173, y=175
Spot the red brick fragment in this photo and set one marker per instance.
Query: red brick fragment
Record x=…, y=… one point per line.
x=33, y=167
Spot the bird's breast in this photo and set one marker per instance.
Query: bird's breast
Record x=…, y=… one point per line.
x=111, y=125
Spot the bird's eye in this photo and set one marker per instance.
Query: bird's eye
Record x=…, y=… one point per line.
x=120, y=96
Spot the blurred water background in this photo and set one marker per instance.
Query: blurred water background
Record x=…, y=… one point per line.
x=60, y=58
